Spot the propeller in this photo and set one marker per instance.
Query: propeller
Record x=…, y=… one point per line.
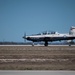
x=24, y=37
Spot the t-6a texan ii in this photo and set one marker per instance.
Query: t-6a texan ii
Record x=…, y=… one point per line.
x=52, y=36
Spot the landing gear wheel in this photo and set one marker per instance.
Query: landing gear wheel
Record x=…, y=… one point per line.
x=33, y=44
x=69, y=44
x=46, y=43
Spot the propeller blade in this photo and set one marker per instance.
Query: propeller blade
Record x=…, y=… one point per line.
x=24, y=37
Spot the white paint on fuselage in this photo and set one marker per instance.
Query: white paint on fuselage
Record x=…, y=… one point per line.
x=51, y=35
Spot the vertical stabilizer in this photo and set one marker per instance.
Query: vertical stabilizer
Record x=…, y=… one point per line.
x=72, y=30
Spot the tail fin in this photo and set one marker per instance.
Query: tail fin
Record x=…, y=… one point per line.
x=72, y=30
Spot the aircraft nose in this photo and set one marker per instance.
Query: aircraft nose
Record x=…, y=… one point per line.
x=28, y=38
x=25, y=37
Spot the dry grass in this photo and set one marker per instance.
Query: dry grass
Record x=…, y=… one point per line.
x=56, y=58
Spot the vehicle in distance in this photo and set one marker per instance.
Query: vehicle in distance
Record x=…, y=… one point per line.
x=52, y=36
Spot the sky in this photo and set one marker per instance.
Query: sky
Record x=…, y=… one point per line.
x=33, y=16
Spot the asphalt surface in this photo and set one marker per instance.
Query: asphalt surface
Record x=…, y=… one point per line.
x=18, y=72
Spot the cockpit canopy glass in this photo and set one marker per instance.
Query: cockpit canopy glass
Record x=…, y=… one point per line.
x=46, y=32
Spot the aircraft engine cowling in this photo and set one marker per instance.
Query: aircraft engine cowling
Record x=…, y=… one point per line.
x=72, y=30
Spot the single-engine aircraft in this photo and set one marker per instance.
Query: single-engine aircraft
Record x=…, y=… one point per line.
x=52, y=36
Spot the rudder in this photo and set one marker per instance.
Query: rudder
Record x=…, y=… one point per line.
x=72, y=30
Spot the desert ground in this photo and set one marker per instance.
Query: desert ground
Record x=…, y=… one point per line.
x=37, y=58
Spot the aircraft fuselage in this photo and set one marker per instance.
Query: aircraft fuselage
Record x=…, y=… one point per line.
x=51, y=36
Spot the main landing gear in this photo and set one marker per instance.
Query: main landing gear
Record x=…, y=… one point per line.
x=33, y=44
x=46, y=43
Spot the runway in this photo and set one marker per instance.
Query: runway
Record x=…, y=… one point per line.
x=35, y=72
